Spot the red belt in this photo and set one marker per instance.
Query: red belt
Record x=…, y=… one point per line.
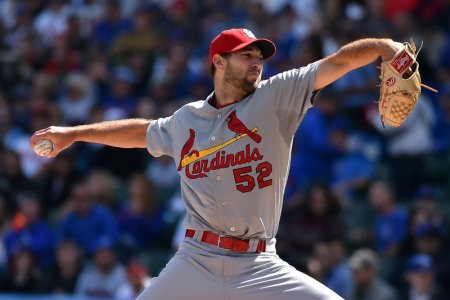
x=227, y=242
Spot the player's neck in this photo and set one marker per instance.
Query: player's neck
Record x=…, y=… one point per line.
x=226, y=94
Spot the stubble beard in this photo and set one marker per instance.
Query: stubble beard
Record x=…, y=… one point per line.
x=233, y=78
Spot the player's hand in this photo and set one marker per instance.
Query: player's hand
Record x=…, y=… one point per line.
x=390, y=48
x=61, y=137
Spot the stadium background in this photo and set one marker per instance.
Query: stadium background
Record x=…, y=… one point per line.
x=352, y=185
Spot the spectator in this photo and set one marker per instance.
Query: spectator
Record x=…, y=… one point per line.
x=9, y=132
x=340, y=275
x=110, y=25
x=86, y=222
x=57, y=181
x=105, y=189
x=367, y=283
x=141, y=219
x=328, y=264
x=52, y=21
x=31, y=231
x=105, y=275
x=429, y=239
x=316, y=218
x=314, y=151
x=63, y=58
x=77, y=100
x=62, y=276
x=137, y=279
x=121, y=97
x=163, y=173
x=141, y=39
x=425, y=216
x=23, y=274
x=353, y=171
x=420, y=276
x=390, y=223
x=173, y=70
x=408, y=146
x=12, y=178
x=75, y=37
x=89, y=13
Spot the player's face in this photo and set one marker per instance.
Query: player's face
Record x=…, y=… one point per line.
x=243, y=69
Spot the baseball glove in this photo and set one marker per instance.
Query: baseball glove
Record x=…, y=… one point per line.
x=400, y=86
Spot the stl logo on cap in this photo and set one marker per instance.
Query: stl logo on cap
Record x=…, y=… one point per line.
x=249, y=33
x=237, y=38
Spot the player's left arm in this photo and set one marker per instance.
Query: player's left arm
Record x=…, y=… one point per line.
x=352, y=56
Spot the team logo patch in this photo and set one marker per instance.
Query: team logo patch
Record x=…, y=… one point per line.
x=390, y=81
x=249, y=33
x=202, y=164
x=402, y=62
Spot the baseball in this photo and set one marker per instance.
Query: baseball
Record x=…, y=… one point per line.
x=43, y=147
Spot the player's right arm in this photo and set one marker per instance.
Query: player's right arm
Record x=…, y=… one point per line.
x=127, y=133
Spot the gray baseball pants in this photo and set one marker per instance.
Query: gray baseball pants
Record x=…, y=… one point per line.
x=199, y=271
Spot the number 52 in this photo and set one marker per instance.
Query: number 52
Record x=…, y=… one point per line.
x=246, y=182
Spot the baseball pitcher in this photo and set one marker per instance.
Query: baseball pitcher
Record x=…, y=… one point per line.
x=233, y=152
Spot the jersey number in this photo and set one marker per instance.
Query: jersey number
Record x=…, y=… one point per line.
x=246, y=183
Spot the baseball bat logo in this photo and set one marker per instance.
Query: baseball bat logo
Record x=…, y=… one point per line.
x=202, y=165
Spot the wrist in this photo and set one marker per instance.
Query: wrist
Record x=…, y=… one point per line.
x=75, y=133
x=388, y=48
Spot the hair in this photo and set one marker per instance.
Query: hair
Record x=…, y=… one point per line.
x=334, y=206
x=212, y=69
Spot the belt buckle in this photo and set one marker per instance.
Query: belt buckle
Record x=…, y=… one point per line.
x=219, y=240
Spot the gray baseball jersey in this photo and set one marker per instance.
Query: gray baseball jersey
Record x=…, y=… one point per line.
x=234, y=163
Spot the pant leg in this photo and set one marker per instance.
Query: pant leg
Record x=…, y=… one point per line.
x=267, y=277
x=184, y=278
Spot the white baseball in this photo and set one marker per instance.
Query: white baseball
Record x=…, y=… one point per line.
x=43, y=147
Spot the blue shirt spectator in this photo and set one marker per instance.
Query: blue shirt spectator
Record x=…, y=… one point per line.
x=314, y=151
x=391, y=220
x=31, y=232
x=111, y=26
x=88, y=221
x=390, y=229
x=141, y=221
x=339, y=279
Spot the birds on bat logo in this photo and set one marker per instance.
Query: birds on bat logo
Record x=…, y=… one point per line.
x=236, y=125
x=186, y=150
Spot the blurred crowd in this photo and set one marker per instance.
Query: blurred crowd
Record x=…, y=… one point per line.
x=366, y=209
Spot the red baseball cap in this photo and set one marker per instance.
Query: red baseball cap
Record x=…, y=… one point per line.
x=237, y=38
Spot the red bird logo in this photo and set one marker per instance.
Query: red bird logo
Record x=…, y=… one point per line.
x=235, y=125
x=186, y=150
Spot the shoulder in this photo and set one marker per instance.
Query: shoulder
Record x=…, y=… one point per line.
x=195, y=105
x=185, y=109
x=301, y=72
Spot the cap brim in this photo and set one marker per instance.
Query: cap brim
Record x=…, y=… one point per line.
x=266, y=46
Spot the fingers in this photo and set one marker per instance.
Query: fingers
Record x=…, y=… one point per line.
x=49, y=133
x=40, y=135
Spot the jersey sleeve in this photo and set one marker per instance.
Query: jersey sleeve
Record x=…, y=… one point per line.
x=292, y=93
x=159, y=137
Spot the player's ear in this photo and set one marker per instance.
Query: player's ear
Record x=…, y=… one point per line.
x=218, y=61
